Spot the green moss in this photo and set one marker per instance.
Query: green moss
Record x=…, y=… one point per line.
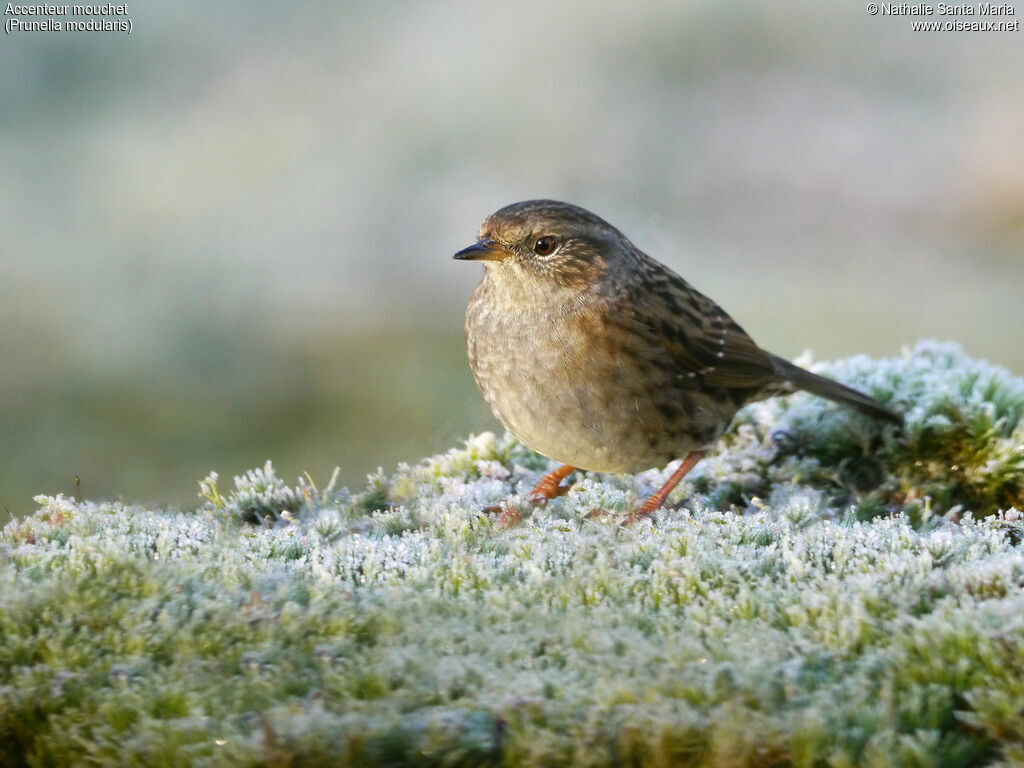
x=832, y=592
x=962, y=446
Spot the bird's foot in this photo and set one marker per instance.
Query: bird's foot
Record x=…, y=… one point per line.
x=627, y=519
x=633, y=517
x=537, y=498
x=549, y=487
x=657, y=501
x=508, y=516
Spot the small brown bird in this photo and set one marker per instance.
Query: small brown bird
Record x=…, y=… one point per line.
x=594, y=354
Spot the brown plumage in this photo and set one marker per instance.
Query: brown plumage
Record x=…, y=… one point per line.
x=596, y=355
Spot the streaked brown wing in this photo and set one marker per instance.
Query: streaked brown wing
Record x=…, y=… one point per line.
x=694, y=335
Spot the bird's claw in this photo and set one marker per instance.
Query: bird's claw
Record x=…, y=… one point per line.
x=539, y=498
x=508, y=516
x=634, y=517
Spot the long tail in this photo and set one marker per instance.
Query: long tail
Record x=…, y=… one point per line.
x=832, y=390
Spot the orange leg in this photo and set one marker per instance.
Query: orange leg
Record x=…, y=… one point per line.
x=550, y=485
x=658, y=499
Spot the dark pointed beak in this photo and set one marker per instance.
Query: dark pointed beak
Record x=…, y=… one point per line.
x=482, y=250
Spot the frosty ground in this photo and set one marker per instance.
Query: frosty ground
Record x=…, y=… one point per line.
x=822, y=590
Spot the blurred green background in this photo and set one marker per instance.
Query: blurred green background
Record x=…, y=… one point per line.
x=227, y=237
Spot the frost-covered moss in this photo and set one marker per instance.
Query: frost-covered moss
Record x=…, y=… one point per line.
x=961, y=448
x=831, y=592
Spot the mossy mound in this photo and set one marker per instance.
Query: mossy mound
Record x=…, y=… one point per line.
x=822, y=590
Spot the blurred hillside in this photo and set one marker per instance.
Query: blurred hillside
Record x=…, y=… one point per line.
x=227, y=237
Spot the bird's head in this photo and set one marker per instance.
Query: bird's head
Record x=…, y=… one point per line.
x=547, y=238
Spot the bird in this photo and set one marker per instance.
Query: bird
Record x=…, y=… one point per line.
x=594, y=354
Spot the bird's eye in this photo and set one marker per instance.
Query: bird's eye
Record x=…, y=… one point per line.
x=544, y=246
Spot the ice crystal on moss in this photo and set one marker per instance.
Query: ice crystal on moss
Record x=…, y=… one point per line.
x=260, y=496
